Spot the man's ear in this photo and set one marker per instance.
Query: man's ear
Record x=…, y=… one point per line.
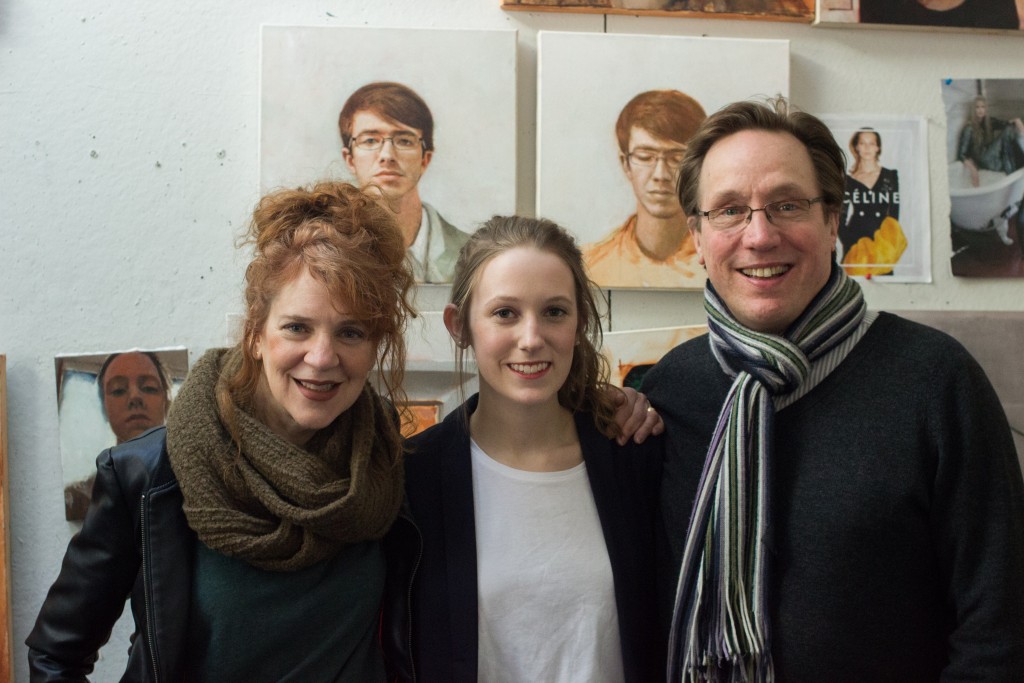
x=453, y=323
x=693, y=223
x=832, y=220
x=346, y=154
x=624, y=162
x=427, y=156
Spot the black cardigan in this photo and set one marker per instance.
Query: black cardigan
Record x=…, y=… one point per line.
x=442, y=601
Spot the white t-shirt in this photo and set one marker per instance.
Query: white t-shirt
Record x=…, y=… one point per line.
x=546, y=596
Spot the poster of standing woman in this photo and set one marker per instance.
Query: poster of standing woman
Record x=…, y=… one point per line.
x=884, y=227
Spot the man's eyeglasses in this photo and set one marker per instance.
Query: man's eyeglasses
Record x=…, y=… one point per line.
x=783, y=213
x=649, y=157
x=403, y=143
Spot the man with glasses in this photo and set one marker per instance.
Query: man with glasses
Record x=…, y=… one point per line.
x=842, y=499
x=653, y=247
x=387, y=135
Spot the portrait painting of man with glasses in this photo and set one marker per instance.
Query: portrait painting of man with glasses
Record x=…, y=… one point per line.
x=387, y=135
x=432, y=137
x=615, y=114
x=653, y=247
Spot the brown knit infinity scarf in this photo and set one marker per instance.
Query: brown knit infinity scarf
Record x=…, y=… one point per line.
x=275, y=505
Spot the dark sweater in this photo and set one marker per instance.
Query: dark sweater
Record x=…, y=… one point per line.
x=311, y=624
x=897, y=511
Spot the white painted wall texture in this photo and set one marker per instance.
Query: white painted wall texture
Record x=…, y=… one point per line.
x=128, y=138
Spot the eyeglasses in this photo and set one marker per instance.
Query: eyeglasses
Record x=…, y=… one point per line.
x=649, y=157
x=403, y=143
x=783, y=213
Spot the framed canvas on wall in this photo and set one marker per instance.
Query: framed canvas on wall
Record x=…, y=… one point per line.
x=764, y=10
x=6, y=670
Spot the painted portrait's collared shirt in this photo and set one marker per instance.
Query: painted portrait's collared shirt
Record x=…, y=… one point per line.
x=436, y=248
x=619, y=261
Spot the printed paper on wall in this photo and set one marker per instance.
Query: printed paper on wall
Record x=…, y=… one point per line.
x=885, y=221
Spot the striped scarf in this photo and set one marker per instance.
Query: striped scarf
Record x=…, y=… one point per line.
x=720, y=625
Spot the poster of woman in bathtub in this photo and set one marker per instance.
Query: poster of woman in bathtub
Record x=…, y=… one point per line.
x=985, y=151
x=615, y=113
x=884, y=227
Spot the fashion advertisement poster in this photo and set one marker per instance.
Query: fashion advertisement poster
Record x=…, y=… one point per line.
x=769, y=10
x=615, y=113
x=985, y=153
x=950, y=15
x=884, y=223
x=426, y=118
x=104, y=399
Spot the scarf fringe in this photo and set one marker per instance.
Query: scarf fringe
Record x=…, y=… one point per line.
x=720, y=626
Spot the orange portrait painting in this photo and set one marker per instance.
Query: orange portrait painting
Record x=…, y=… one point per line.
x=764, y=10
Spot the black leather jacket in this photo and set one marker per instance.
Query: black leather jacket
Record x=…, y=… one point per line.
x=134, y=543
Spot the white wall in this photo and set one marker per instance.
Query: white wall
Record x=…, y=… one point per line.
x=128, y=136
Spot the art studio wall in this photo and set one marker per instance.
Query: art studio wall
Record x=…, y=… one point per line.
x=129, y=164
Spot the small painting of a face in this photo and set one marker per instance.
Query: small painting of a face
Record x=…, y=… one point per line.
x=135, y=397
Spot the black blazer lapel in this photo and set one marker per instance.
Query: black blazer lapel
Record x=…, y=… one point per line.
x=460, y=537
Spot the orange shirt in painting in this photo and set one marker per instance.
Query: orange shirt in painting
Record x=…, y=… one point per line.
x=619, y=261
